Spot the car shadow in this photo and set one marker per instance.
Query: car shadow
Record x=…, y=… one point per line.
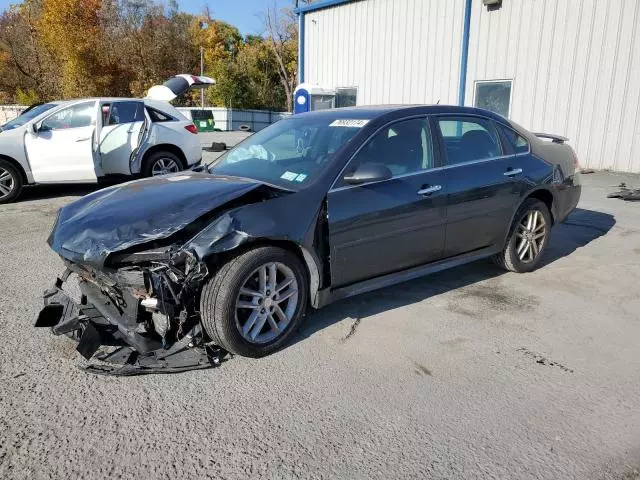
x=580, y=228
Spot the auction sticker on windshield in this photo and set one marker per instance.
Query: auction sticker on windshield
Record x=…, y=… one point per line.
x=349, y=123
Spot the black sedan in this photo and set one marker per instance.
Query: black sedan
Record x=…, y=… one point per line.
x=176, y=270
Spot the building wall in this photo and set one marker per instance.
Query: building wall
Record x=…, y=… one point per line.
x=575, y=66
x=393, y=51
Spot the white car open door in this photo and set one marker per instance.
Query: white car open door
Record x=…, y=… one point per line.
x=60, y=148
x=120, y=133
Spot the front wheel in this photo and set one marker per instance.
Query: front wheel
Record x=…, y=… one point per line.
x=10, y=182
x=529, y=236
x=255, y=301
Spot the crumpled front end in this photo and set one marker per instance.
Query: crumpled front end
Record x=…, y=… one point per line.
x=140, y=318
x=142, y=253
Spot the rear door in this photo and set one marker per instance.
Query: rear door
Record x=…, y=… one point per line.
x=391, y=225
x=120, y=134
x=62, y=150
x=485, y=183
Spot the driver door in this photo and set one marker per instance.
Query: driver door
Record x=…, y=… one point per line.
x=62, y=148
x=389, y=225
x=122, y=123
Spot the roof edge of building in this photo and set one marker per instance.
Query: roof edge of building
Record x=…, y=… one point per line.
x=321, y=5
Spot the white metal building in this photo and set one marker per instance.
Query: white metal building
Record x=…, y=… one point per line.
x=569, y=67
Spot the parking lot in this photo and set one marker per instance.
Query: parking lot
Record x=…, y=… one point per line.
x=470, y=373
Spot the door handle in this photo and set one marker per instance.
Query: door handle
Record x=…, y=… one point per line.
x=429, y=190
x=82, y=139
x=512, y=172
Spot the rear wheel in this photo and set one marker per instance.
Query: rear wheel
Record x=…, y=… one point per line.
x=10, y=182
x=255, y=301
x=528, y=238
x=161, y=163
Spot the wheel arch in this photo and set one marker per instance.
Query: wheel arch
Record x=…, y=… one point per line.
x=545, y=196
x=165, y=147
x=539, y=193
x=16, y=164
x=303, y=254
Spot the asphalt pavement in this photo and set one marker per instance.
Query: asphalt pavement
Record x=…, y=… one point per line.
x=471, y=373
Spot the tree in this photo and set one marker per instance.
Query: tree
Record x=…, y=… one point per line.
x=282, y=36
x=57, y=49
x=25, y=64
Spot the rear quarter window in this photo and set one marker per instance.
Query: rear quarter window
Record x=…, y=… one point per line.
x=517, y=142
x=157, y=116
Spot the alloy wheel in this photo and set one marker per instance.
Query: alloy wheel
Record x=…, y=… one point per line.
x=7, y=183
x=531, y=235
x=164, y=166
x=266, y=303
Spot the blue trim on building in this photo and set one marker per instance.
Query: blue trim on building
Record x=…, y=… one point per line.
x=320, y=5
x=300, y=47
x=464, y=56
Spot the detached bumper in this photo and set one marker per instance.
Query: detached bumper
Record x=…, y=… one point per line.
x=95, y=323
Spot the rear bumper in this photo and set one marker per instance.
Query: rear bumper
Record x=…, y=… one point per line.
x=95, y=322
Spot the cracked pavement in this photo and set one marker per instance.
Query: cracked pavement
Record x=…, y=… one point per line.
x=470, y=373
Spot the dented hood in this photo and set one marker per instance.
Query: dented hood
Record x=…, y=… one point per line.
x=120, y=217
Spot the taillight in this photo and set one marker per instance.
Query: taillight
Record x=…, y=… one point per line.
x=576, y=162
x=192, y=128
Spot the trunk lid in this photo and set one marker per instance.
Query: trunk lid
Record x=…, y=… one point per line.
x=178, y=85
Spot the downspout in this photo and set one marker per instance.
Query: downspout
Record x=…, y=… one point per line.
x=300, y=47
x=465, y=53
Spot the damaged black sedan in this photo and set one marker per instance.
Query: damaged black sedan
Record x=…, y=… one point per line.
x=175, y=271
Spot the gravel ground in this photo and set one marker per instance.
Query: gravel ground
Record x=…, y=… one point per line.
x=471, y=373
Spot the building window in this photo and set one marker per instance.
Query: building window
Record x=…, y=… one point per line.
x=493, y=95
x=346, y=97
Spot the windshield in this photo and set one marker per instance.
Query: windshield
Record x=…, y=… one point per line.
x=290, y=153
x=28, y=115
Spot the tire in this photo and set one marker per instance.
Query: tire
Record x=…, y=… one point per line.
x=510, y=258
x=224, y=320
x=153, y=163
x=10, y=182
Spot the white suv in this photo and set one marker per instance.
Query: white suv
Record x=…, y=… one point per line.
x=81, y=141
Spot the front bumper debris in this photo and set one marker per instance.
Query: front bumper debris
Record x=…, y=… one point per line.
x=101, y=335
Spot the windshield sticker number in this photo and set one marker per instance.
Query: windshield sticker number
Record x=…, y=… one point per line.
x=290, y=176
x=349, y=123
x=300, y=178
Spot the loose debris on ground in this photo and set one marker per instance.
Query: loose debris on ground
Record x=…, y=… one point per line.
x=543, y=360
x=626, y=193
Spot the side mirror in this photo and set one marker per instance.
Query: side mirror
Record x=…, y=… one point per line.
x=34, y=127
x=368, y=172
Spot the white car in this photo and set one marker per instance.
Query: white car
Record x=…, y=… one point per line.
x=82, y=141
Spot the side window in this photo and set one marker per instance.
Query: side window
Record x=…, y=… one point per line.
x=125, y=112
x=467, y=139
x=403, y=147
x=518, y=143
x=158, y=116
x=79, y=115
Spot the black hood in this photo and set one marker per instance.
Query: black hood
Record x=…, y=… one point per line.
x=120, y=217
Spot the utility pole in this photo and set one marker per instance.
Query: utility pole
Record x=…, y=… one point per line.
x=202, y=73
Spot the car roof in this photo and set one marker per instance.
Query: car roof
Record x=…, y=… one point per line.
x=375, y=111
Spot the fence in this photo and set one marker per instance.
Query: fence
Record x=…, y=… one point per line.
x=231, y=119
x=225, y=118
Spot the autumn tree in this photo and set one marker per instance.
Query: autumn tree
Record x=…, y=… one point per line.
x=57, y=49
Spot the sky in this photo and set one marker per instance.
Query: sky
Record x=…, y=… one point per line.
x=244, y=14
